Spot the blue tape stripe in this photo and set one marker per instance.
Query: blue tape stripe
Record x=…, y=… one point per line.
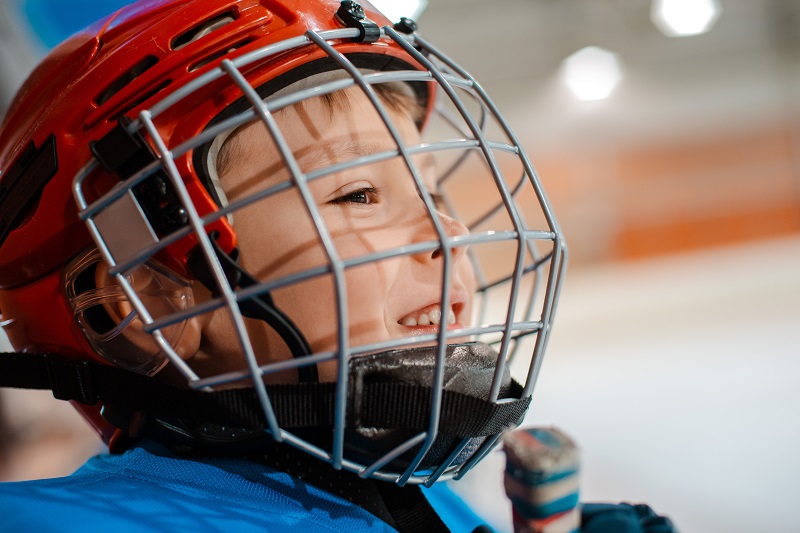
x=538, y=477
x=531, y=510
x=546, y=437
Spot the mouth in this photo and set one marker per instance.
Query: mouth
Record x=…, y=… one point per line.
x=432, y=315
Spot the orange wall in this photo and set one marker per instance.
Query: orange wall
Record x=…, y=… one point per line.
x=639, y=200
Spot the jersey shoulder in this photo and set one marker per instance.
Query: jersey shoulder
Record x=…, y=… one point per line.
x=142, y=492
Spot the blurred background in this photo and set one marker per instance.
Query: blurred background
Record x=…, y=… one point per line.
x=667, y=134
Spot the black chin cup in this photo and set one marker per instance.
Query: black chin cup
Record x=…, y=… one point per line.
x=469, y=369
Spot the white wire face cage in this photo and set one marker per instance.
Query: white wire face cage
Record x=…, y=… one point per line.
x=514, y=248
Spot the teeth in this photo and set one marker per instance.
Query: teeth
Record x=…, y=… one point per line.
x=434, y=318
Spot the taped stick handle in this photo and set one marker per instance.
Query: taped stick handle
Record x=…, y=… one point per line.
x=541, y=480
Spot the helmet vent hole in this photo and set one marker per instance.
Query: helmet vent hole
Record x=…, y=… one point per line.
x=201, y=30
x=120, y=83
x=219, y=54
x=133, y=103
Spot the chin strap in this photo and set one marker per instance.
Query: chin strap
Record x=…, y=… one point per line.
x=296, y=405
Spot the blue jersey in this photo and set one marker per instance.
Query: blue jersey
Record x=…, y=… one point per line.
x=146, y=489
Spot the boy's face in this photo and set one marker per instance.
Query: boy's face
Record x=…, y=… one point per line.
x=366, y=210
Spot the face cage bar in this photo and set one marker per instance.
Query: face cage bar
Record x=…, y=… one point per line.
x=448, y=75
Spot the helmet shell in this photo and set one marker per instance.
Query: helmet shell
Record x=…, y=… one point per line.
x=116, y=68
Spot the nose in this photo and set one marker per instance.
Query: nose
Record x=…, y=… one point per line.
x=452, y=228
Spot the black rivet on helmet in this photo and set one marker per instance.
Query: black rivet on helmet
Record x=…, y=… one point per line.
x=173, y=216
x=154, y=189
x=406, y=25
x=351, y=8
x=352, y=15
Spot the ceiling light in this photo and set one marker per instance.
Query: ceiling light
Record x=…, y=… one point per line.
x=591, y=73
x=394, y=10
x=681, y=18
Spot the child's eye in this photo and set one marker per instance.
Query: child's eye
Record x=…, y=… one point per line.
x=365, y=196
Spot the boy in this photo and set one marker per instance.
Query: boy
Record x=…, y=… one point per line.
x=225, y=239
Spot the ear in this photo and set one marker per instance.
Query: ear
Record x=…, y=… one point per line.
x=184, y=337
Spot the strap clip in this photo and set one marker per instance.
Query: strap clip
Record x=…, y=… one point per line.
x=72, y=380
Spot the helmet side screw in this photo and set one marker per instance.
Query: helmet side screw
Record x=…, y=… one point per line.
x=351, y=9
x=406, y=25
x=154, y=189
x=173, y=216
x=352, y=15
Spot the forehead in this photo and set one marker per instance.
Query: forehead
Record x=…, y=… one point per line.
x=320, y=132
x=346, y=120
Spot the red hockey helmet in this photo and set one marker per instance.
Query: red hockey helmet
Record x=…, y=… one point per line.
x=109, y=169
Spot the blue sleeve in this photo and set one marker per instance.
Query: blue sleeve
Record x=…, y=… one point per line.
x=623, y=518
x=456, y=514
x=595, y=517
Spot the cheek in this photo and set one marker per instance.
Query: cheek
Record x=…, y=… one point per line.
x=276, y=238
x=314, y=308
x=311, y=305
x=369, y=295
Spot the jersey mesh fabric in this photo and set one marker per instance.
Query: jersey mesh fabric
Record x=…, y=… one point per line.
x=148, y=489
x=143, y=491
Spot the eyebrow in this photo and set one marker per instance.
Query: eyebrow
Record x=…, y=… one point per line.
x=329, y=154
